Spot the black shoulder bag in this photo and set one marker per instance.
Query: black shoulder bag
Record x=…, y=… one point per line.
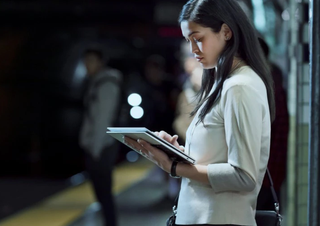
x=263, y=217
x=270, y=217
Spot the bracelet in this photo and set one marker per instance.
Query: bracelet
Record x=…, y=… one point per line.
x=173, y=169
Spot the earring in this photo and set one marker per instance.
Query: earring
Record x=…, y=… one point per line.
x=227, y=38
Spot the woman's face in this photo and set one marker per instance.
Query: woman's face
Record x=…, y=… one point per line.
x=205, y=44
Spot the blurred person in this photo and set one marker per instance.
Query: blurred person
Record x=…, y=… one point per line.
x=102, y=103
x=187, y=98
x=279, y=138
x=188, y=64
x=229, y=136
x=159, y=94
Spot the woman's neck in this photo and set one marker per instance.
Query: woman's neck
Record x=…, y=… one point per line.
x=237, y=63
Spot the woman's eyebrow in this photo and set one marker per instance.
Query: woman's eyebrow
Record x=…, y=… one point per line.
x=193, y=33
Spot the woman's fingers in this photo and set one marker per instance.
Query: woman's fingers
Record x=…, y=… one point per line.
x=171, y=139
x=165, y=135
x=140, y=146
x=150, y=152
x=156, y=155
x=134, y=145
x=181, y=148
x=145, y=145
x=174, y=139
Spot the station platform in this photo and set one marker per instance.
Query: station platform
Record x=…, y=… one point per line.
x=141, y=197
x=144, y=196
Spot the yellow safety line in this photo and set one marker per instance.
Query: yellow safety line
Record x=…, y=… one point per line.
x=67, y=205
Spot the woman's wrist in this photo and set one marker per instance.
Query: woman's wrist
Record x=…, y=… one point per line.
x=173, y=170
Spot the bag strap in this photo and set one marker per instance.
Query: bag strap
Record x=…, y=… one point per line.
x=275, y=198
x=175, y=206
x=274, y=194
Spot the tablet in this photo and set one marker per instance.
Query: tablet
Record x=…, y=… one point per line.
x=145, y=134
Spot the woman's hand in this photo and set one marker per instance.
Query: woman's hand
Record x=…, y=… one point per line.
x=171, y=139
x=155, y=155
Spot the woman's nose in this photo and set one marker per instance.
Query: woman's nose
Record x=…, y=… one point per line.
x=194, y=48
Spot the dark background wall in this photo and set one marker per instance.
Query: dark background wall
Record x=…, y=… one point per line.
x=40, y=91
x=40, y=47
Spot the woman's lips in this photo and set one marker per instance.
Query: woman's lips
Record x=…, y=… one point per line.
x=199, y=58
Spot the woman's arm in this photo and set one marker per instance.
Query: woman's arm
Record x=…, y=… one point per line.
x=245, y=115
x=157, y=156
x=239, y=180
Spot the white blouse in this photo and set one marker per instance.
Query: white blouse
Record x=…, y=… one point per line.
x=234, y=143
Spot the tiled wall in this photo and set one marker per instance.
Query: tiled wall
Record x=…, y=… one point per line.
x=298, y=96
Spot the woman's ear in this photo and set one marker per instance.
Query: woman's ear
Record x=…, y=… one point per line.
x=226, y=31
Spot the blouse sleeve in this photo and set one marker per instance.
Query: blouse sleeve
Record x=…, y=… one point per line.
x=242, y=108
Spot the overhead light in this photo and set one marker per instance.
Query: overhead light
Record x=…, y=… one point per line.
x=134, y=99
x=136, y=112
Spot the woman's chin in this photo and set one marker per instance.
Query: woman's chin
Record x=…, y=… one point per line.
x=208, y=66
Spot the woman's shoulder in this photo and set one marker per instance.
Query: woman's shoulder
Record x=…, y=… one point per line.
x=243, y=77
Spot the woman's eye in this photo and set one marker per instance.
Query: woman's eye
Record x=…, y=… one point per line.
x=197, y=40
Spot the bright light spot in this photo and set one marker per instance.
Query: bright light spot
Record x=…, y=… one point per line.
x=136, y=112
x=285, y=15
x=134, y=99
x=132, y=156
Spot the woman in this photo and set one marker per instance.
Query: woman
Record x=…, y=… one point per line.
x=230, y=134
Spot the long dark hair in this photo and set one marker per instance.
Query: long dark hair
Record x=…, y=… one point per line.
x=243, y=44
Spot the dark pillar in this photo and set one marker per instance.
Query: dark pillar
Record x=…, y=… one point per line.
x=314, y=136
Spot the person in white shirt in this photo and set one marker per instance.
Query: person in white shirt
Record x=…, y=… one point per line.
x=229, y=136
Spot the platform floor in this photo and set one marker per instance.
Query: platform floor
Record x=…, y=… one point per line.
x=141, y=197
x=140, y=191
x=143, y=204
